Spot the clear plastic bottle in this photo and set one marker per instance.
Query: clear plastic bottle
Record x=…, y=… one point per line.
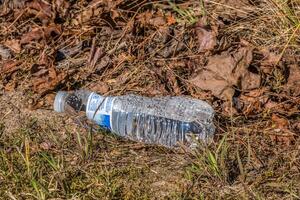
x=160, y=120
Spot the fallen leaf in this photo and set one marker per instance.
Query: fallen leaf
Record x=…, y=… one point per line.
x=253, y=102
x=14, y=45
x=158, y=21
x=10, y=87
x=114, y=14
x=280, y=132
x=250, y=81
x=144, y=18
x=61, y=7
x=8, y=67
x=172, y=48
x=93, y=9
x=39, y=33
x=287, y=108
x=279, y=122
x=99, y=87
x=279, y=137
x=42, y=10
x=269, y=60
x=170, y=20
x=52, y=31
x=293, y=84
x=271, y=105
x=229, y=109
x=206, y=35
x=69, y=52
x=44, y=59
x=35, y=34
x=45, y=78
x=44, y=84
x=225, y=72
x=104, y=61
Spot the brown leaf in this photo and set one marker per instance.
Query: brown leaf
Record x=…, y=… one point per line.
x=206, y=35
x=99, y=87
x=229, y=109
x=253, y=102
x=104, y=61
x=170, y=20
x=250, y=81
x=226, y=71
x=270, y=58
x=280, y=131
x=44, y=59
x=280, y=122
x=114, y=14
x=144, y=17
x=10, y=87
x=35, y=34
x=46, y=80
x=14, y=45
x=61, y=6
x=52, y=31
x=269, y=61
x=93, y=9
x=39, y=33
x=283, y=138
x=158, y=21
x=42, y=10
x=8, y=66
x=271, y=105
x=293, y=83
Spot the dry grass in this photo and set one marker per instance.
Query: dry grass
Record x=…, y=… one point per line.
x=271, y=23
x=38, y=163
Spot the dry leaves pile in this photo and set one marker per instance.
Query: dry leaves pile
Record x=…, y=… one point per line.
x=118, y=47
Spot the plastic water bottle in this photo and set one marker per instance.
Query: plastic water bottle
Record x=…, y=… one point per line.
x=160, y=120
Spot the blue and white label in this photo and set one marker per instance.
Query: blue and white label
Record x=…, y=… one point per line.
x=99, y=109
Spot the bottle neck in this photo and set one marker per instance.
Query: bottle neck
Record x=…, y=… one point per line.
x=59, y=102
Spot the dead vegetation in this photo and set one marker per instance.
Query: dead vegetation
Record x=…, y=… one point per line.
x=241, y=56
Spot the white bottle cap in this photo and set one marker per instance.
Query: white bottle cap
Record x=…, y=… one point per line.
x=59, y=101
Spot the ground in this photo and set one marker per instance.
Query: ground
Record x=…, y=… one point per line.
x=242, y=57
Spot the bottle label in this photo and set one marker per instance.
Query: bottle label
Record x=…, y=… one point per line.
x=99, y=109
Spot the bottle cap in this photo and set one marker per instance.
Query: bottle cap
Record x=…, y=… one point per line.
x=59, y=101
